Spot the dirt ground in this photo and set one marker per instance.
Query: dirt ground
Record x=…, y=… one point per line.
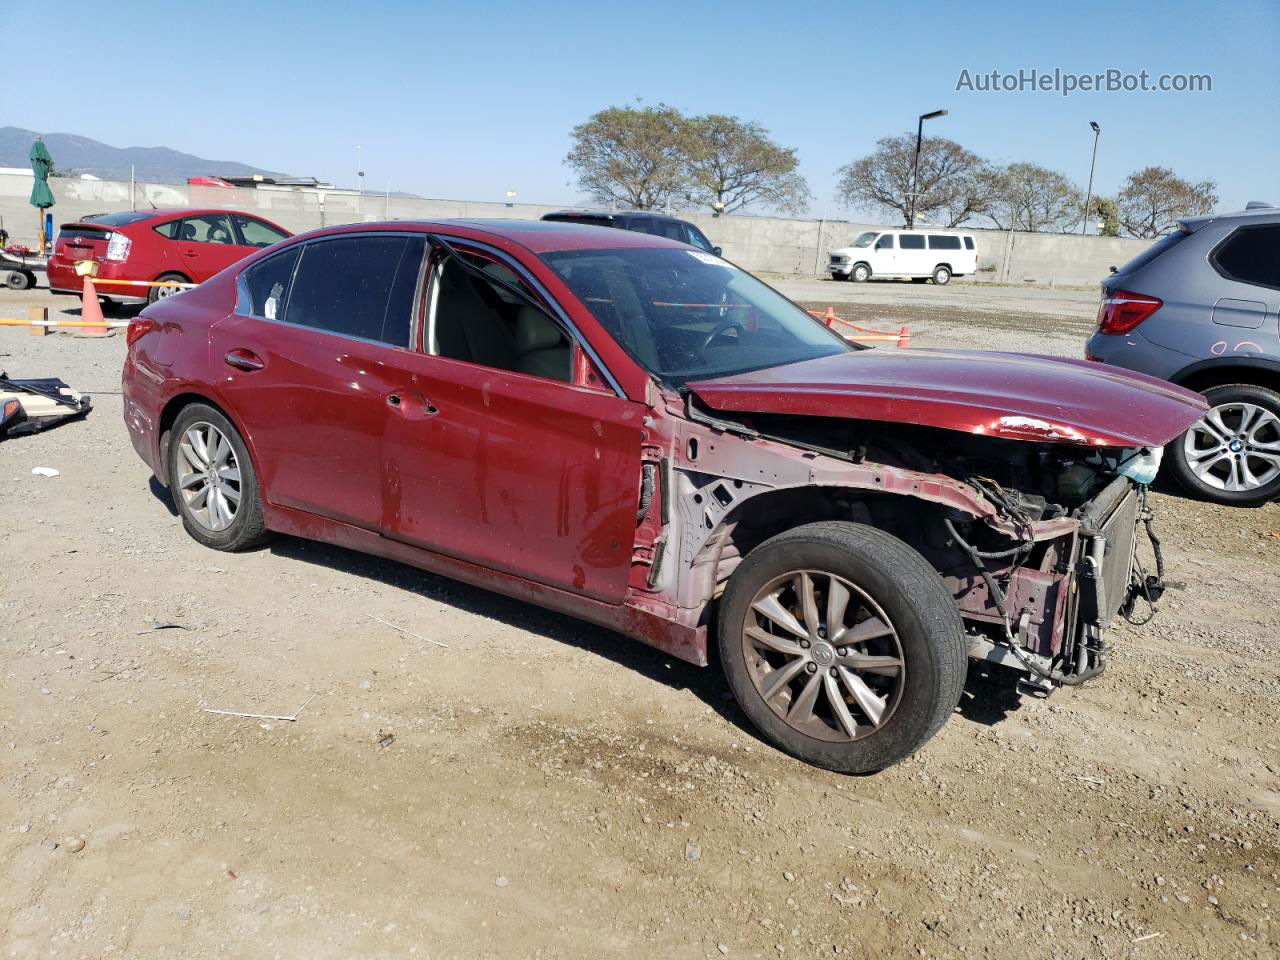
x=472, y=777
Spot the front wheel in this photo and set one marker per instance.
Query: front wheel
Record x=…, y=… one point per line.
x=1232, y=456
x=941, y=276
x=843, y=646
x=861, y=273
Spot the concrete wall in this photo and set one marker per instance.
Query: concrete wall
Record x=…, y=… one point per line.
x=759, y=244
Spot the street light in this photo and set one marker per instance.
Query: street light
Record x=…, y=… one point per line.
x=1084, y=224
x=359, y=170
x=915, y=167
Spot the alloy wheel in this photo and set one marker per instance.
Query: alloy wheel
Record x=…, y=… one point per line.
x=1235, y=447
x=209, y=476
x=823, y=655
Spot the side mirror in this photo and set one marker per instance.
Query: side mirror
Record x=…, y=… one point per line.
x=717, y=251
x=1112, y=269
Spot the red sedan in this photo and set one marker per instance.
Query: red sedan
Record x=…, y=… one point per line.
x=638, y=433
x=187, y=246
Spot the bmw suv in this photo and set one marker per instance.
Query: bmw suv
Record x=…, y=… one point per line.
x=1199, y=308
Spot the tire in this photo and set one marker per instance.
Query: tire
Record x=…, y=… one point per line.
x=941, y=275
x=1241, y=418
x=19, y=280
x=205, y=519
x=893, y=585
x=860, y=273
x=161, y=293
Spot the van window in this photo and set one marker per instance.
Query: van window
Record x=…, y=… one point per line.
x=939, y=241
x=911, y=241
x=885, y=242
x=968, y=243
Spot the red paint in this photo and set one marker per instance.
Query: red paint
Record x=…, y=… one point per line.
x=998, y=394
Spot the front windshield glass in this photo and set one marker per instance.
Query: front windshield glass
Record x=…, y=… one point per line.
x=865, y=240
x=687, y=315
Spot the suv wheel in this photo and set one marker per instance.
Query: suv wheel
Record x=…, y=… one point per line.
x=941, y=276
x=1232, y=456
x=842, y=645
x=861, y=273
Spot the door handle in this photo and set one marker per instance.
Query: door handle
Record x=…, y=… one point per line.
x=190, y=253
x=243, y=359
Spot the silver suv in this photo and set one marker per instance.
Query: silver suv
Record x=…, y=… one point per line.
x=1199, y=308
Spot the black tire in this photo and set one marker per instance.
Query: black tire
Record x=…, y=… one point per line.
x=1221, y=400
x=941, y=275
x=247, y=528
x=159, y=293
x=860, y=273
x=910, y=595
x=19, y=280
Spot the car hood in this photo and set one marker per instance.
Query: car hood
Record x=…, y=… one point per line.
x=1012, y=395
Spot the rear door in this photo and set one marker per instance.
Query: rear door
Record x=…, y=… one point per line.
x=316, y=347
x=207, y=244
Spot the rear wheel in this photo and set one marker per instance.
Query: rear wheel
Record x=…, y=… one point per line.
x=213, y=482
x=163, y=293
x=842, y=645
x=1232, y=456
x=941, y=275
x=861, y=273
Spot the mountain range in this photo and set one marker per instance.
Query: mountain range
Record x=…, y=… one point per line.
x=73, y=155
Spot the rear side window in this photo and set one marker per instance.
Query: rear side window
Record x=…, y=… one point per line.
x=1251, y=255
x=911, y=241
x=255, y=233
x=268, y=285
x=358, y=287
x=941, y=241
x=209, y=228
x=167, y=230
x=968, y=243
x=1161, y=246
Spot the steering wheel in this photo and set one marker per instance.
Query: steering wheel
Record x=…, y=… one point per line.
x=721, y=328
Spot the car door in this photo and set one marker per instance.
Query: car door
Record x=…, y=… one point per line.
x=913, y=256
x=884, y=256
x=495, y=456
x=314, y=350
x=206, y=245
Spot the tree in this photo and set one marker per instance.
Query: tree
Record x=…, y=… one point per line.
x=732, y=163
x=948, y=183
x=1108, y=211
x=631, y=156
x=1027, y=196
x=1154, y=199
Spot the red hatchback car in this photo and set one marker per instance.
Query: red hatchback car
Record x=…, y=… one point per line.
x=640, y=434
x=187, y=246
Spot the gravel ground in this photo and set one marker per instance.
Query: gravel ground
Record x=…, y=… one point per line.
x=539, y=788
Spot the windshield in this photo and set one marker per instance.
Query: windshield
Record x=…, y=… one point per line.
x=687, y=315
x=865, y=240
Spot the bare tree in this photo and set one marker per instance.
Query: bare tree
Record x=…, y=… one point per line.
x=732, y=163
x=1026, y=196
x=947, y=183
x=1154, y=199
x=631, y=156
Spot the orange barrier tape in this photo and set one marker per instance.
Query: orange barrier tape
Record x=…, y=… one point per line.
x=863, y=334
x=16, y=322
x=99, y=281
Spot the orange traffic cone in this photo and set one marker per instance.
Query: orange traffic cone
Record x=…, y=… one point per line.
x=91, y=312
x=830, y=317
x=904, y=337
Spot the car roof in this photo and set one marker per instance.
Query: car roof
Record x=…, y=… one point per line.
x=536, y=236
x=614, y=214
x=1195, y=223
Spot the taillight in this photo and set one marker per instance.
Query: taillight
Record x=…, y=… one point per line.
x=1122, y=311
x=118, y=247
x=139, y=327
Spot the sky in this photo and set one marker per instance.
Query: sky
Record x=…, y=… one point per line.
x=470, y=100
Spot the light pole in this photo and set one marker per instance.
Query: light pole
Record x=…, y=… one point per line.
x=1088, y=195
x=359, y=170
x=915, y=167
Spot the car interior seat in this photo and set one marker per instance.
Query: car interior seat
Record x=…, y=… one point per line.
x=543, y=349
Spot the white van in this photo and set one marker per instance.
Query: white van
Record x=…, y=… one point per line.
x=918, y=254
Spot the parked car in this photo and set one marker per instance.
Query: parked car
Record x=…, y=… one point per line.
x=187, y=246
x=533, y=408
x=1198, y=308
x=917, y=254
x=641, y=221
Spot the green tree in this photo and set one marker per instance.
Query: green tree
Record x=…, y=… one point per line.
x=732, y=163
x=1108, y=212
x=1154, y=199
x=631, y=156
x=948, y=187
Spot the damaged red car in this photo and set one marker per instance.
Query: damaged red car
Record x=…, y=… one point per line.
x=642, y=435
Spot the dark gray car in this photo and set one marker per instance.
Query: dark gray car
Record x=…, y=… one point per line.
x=1199, y=308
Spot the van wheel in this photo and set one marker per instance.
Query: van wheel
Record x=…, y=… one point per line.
x=843, y=645
x=941, y=276
x=163, y=293
x=861, y=273
x=1232, y=456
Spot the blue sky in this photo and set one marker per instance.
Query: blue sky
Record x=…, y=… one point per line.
x=469, y=100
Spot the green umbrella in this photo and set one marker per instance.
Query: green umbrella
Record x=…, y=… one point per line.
x=41, y=164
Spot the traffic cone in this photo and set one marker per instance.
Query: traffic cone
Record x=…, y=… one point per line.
x=91, y=312
x=830, y=317
x=904, y=337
